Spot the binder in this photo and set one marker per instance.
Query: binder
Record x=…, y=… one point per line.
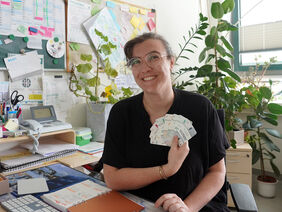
x=111, y=201
x=34, y=160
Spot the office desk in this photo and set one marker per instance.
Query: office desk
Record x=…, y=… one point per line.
x=59, y=176
x=75, y=160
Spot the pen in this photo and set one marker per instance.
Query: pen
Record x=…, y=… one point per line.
x=19, y=113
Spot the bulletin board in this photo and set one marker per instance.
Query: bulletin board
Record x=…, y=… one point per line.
x=127, y=21
x=42, y=19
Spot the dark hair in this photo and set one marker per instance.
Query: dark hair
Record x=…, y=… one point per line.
x=128, y=48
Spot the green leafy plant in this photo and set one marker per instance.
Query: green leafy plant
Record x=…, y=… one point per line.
x=85, y=80
x=215, y=78
x=259, y=96
x=186, y=48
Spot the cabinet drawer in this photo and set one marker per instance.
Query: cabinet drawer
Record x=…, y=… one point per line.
x=237, y=178
x=239, y=162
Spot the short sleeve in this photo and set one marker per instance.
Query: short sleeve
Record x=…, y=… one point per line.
x=113, y=153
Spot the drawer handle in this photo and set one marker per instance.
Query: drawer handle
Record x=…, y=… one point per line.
x=233, y=161
x=233, y=154
x=233, y=178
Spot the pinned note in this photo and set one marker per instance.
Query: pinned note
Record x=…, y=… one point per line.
x=142, y=12
x=151, y=14
x=134, y=33
x=21, y=29
x=151, y=24
x=124, y=8
x=110, y=4
x=95, y=10
x=135, y=21
x=142, y=24
x=133, y=10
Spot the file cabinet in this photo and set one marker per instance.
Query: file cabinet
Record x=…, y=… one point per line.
x=239, y=167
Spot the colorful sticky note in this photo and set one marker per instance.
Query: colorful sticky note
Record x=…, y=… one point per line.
x=21, y=29
x=142, y=24
x=151, y=24
x=142, y=12
x=133, y=10
x=135, y=21
x=151, y=14
x=134, y=33
x=7, y=41
x=1, y=42
x=35, y=96
x=110, y=4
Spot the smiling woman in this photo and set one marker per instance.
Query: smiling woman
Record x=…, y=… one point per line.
x=177, y=177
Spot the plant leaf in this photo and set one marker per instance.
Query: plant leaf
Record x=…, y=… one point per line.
x=265, y=92
x=274, y=133
x=86, y=57
x=255, y=123
x=217, y=10
x=269, y=142
x=275, y=108
x=84, y=68
x=228, y=6
x=211, y=40
x=255, y=156
x=275, y=169
x=202, y=55
x=204, y=71
x=233, y=74
x=226, y=44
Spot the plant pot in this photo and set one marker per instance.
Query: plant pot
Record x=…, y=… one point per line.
x=96, y=118
x=238, y=136
x=267, y=186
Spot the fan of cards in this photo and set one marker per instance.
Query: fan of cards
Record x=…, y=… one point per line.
x=166, y=127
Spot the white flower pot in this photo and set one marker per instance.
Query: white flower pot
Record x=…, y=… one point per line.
x=96, y=118
x=237, y=135
x=266, y=189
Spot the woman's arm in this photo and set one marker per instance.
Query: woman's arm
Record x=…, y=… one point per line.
x=134, y=178
x=204, y=192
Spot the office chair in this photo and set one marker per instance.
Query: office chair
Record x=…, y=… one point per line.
x=241, y=193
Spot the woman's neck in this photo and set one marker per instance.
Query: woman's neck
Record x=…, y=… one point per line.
x=157, y=105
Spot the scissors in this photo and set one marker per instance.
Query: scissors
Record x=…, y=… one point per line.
x=15, y=98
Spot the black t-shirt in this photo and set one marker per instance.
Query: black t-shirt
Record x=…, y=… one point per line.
x=127, y=144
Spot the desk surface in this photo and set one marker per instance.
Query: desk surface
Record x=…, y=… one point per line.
x=65, y=176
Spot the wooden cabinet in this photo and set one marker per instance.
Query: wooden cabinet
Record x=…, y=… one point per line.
x=239, y=167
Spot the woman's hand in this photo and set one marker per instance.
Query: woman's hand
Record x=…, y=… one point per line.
x=176, y=156
x=172, y=203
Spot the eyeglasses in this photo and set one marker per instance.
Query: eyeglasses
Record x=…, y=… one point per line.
x=152, y=59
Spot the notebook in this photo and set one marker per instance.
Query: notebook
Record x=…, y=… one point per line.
x=90, y=196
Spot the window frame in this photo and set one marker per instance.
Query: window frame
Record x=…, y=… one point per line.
x=238, y=66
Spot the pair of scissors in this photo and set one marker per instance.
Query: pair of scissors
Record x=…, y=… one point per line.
x=16, y=98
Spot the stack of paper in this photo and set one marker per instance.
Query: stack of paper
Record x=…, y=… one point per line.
x=23, y=65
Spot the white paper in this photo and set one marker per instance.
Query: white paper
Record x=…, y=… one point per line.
x=105, y=23
x=34, y=43
x=33, y=185
x=22, y=66
x=4, y=91
x=78, y=12
x=126, y=81
x=30, y=87
x=48, y=17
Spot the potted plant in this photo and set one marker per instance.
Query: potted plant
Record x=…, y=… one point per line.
x=258, y=97
x=216, y=79
x=85, y=82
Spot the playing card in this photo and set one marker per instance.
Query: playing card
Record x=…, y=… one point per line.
x=166, y=127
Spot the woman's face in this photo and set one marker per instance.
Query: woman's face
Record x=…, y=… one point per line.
x=152, y=68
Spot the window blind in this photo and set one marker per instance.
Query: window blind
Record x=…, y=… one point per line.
x=259, y=37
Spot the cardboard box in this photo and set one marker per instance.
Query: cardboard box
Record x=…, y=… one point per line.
x=238, y=136
x=4, y=185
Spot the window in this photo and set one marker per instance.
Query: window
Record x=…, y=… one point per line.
x=259, y=33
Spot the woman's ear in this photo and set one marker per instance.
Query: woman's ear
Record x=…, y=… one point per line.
x=172, y=61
